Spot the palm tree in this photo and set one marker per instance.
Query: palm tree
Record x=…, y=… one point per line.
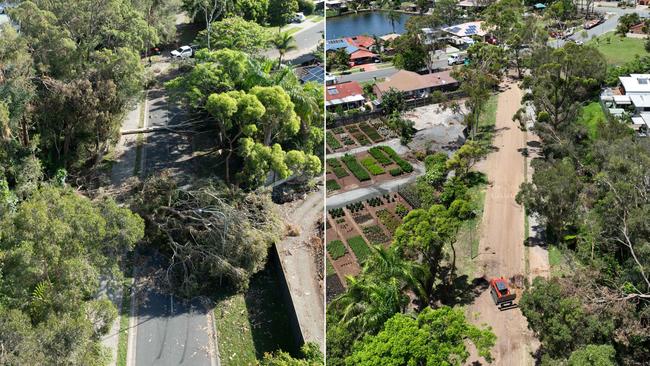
x=388, y=263
x=393, y=16
x=283, y=42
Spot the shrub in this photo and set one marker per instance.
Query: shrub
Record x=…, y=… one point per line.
x=356, y=169
x=379, y=155
x=337, y=168
x=405, y=165
x=360, y=248
x=332, y=142
x=332, y=185
x=375, y=201
x=336, y=249
x=372, y=166
x=336, y=213
x=401, y=210
x=396, y=171
x=388, y=220
x=354, y=207
x=375, y=234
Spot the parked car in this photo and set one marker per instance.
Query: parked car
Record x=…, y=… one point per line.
x=299, y=18
x=455, y=59
x=184, y=52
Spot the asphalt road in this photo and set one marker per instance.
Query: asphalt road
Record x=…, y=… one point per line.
x=306, y=41
x=170, y=332
x=167, y=331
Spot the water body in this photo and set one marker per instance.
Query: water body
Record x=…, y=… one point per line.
x=370, y=23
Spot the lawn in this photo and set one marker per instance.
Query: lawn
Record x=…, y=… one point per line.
x=467, y=239
x=592, y=115
x=619, y=50
x=250, y=324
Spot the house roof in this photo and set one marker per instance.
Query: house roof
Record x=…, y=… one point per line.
x=337, y=44
x=361, y=54
x=361, y=41
x=347, y=92
x=636, y=83
x=390, y=37
x=466, y=29
x=311, y=73
x=408, y=81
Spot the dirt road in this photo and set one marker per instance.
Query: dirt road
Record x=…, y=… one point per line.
x=501, y=246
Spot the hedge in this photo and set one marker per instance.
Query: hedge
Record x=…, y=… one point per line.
x=396, y=171
x=336, y=249
x=332, y=142
x=372, y=166
x=356, y=168
x=360, y=248
x=337, y=168
x=405, y=165
x=379, y=155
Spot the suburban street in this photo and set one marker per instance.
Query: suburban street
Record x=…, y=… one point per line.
x=307, y=40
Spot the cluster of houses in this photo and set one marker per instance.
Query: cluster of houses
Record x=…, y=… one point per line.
x=630, y=98
x=358, y=49
x=350, y=94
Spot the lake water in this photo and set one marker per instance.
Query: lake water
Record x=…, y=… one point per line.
x=370, y=23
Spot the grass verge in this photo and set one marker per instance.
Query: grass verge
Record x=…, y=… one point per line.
x=467, y=238
x=123, y=339
x=252, y=323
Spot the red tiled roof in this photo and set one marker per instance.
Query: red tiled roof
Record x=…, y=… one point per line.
x=361, y=54
x=343, y=90
x=361, y=41
x=408, y=81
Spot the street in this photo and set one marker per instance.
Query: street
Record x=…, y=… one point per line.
x=306, y=39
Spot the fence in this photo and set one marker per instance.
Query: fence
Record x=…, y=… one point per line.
x=364, y=116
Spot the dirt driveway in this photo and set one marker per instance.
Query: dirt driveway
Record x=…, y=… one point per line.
x=501, y=246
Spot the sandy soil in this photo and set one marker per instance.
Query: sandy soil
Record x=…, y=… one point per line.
x=501, y=246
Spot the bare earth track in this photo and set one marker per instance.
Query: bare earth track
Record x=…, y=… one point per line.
x=501, y=245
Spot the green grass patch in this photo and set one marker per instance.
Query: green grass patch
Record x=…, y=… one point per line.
x=405, y=165
x=250, y=324
x=467, y=238
x=356, y=168
x=618, y=50
x=360, y=248
x=337, y=168
x=371, y=165
x=332, y=142
x=591, y=117
x=380, y=156
x=329, y=268
x=336, y=249
x=123, y=339
x=554, y=256
x=332, y=185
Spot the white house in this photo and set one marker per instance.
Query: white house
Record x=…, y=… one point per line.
x=631, y=97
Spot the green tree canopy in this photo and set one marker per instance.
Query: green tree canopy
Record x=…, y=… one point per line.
x=434, y=337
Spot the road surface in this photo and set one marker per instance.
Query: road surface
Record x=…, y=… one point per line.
x=383, y=73
x=307, y=40
x=501, y=243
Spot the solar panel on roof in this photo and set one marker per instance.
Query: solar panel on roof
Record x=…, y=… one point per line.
x=454, y=29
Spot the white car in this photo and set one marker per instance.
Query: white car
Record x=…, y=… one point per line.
x=183, y=52
x=455, y=59
x=299, y=18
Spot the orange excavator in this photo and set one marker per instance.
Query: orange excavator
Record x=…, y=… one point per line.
x=501, y=295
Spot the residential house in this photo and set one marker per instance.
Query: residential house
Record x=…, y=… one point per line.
x=314, y=73
x=353, y=46
x=631, y=97
x=416, y=86
x=347, y=95
x=462, y=34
